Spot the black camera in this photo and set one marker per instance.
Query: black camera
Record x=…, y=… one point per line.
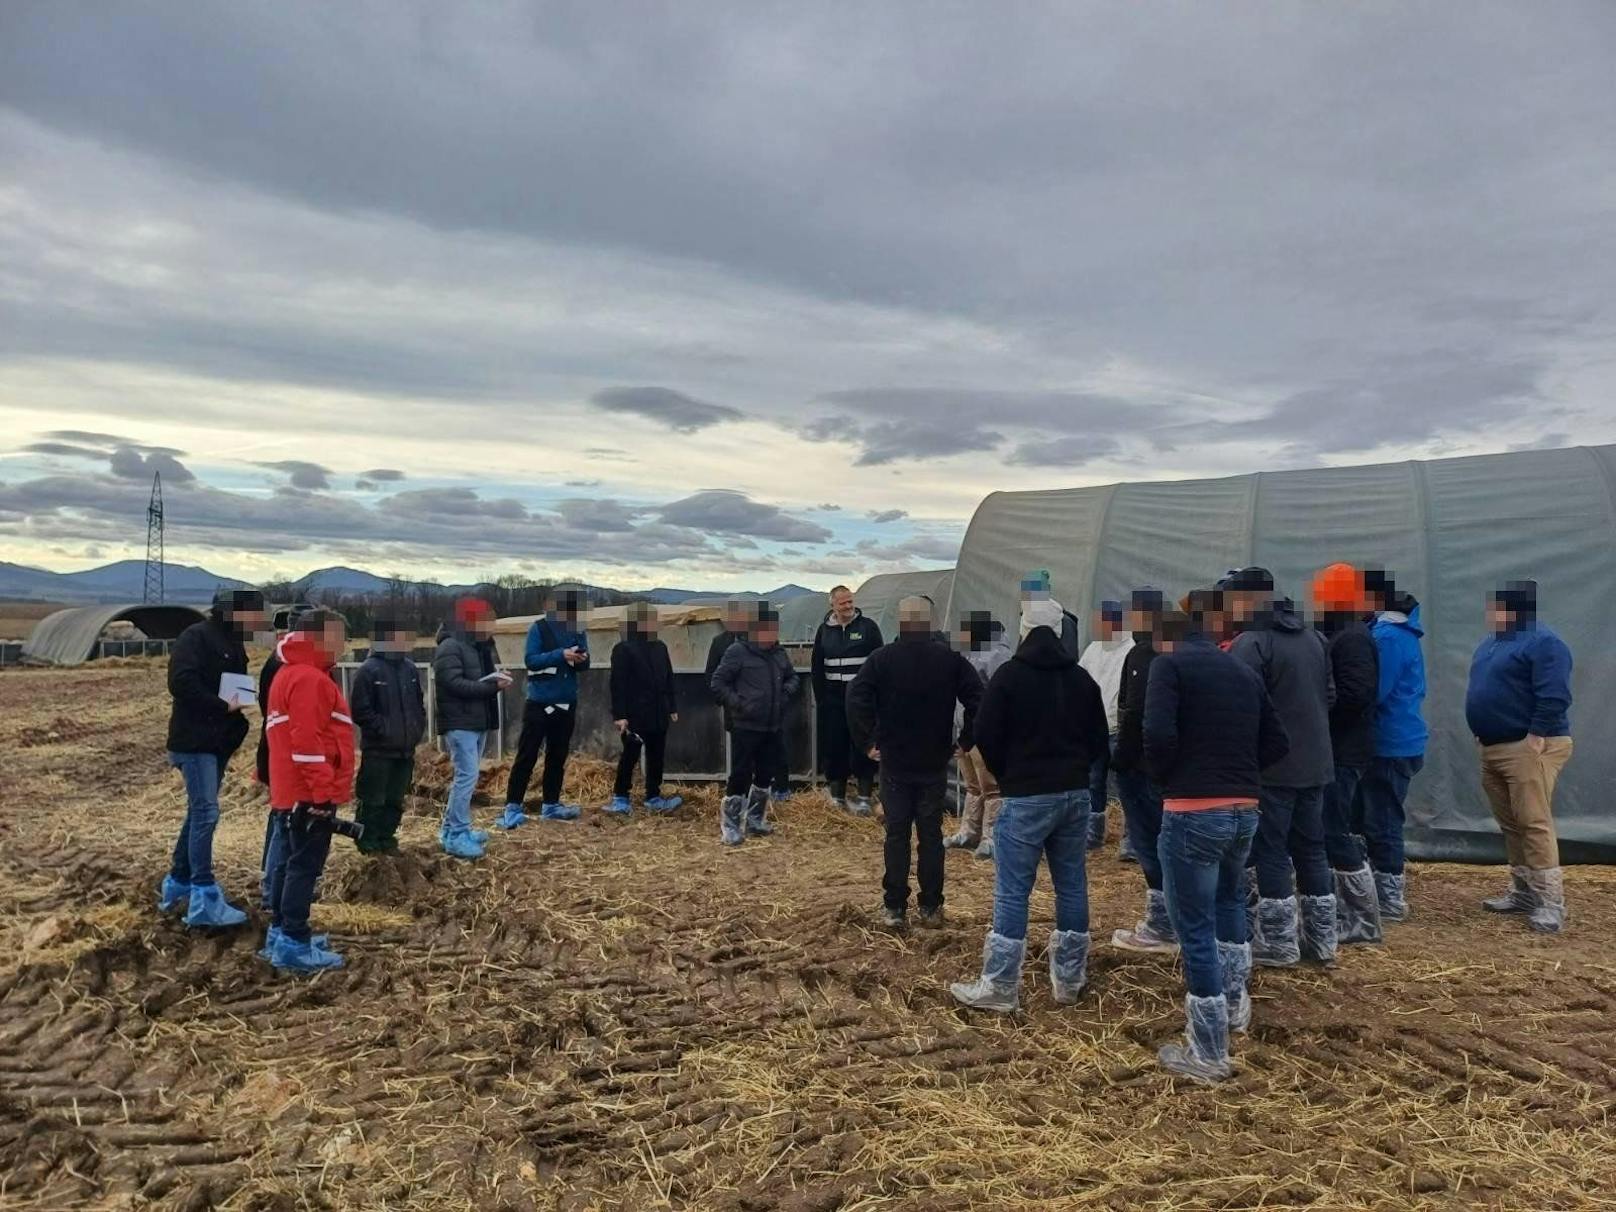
x=352, y=830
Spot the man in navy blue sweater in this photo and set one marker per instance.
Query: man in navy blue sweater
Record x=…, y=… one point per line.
x=1519, y=706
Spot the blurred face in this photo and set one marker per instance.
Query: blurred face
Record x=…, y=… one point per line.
x=649, y=625
x=914, y=620
x=333, y=639
x=1244, y=604
x=767, y=632
x=841, y=605
x=1141, y=622
x=735, y=617
x=251, y=625
x=395, y=641
x=1499, y=617
x=567, y=608
x=1104, y=628
x=481, y=628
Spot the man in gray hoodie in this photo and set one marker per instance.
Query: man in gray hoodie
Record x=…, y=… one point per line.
x=1289, y=852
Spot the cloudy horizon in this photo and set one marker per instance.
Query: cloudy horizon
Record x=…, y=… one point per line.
x=729, y=296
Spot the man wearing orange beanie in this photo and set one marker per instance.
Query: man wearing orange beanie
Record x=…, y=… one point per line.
x=1342, y=612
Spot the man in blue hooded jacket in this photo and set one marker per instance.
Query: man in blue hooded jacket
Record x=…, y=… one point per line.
x=1518, y=706
x=557, y=648
x=1400, y=738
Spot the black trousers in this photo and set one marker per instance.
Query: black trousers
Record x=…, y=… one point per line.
x=550, y=727
x=753, y=757
x=837, y=757
x=915, y=804
x=655, y=745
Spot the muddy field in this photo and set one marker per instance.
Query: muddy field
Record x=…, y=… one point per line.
x=623, y=1015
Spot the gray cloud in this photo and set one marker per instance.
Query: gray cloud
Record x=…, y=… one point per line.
x=883, y=442
x=308, y=476
x=65, y=450
x=677, y=411
x=592, y=513
x=1072, y=451
x=382, y=475
x=363, y=485
x=722, y=511
x=127, y=463
x=881, y=517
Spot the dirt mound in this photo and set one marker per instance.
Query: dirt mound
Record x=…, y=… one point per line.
x=627, y=1015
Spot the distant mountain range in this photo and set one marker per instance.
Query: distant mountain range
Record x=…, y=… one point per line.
x=124, y=581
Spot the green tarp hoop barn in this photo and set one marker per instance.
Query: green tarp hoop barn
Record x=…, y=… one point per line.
x=1450, y=530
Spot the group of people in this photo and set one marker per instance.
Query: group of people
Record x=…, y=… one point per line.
x=1262, y=764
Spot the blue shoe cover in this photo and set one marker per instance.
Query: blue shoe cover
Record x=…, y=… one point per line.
x=480, y=836
x=209, y=908
x=514, y=817
x=462, y=846
x=302, y=957
x=274, y=932
x=173, y=895
x=559, y=812
x=665, y=803
x=620, y=806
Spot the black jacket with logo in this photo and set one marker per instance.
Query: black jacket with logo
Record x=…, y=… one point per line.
x=1042, y=722
x=642, y=684
x=388, y=705
x=199, y=721
x=1130, y=749
x=840, y=652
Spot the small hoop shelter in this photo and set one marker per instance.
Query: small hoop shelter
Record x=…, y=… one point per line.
x=73, y=636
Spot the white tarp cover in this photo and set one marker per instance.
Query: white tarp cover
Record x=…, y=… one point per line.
x=879, y=596
x=1449, y=529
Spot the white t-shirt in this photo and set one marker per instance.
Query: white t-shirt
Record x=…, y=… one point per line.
x=1102, y=660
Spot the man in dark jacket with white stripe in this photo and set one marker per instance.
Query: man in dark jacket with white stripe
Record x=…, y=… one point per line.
x=842, y=644
x=900, y=709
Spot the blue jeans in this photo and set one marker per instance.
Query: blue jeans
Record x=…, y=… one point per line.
x=1099, y=779
x=193, y=852
x=465, y=747
x=1290, y=836
x=1030, y=827
x=299, y=855
x=1379, y=809
x=274, y=856
x=1203, y=858
x=1142, y=815
x=1342, y=845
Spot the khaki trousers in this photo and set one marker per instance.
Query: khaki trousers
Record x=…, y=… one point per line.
x=1520, y=789
x=981, y=795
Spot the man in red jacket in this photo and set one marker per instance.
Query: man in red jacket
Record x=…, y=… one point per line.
x=311, y=771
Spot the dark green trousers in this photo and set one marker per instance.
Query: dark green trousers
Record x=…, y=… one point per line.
x=382, y=784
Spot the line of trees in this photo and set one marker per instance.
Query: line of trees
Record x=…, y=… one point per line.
x=424, y=605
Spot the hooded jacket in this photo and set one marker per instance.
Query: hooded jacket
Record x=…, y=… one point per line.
x=1355, y=666
x=465, y=703
x=1103, y=660
x=1210, y=728
x=755, y=684
x=1400, y=730
x=1129, y=753
x=902, y=702
x=715, y=653
x=550, y=679
x=839, y=653
x=388, y=705
x=1520, y=685
x=642, y=684
x=199, y=720
x=311, y=733
x=1294, y=663
x=1042, y=722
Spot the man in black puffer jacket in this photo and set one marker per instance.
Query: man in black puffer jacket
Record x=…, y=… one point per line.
x=643, y=706
x=755, y=681
x=204, y=730
x=390, y=709
x=900, y=711
x=1289, y=857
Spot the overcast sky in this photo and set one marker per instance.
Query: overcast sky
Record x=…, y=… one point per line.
x=725, y=295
